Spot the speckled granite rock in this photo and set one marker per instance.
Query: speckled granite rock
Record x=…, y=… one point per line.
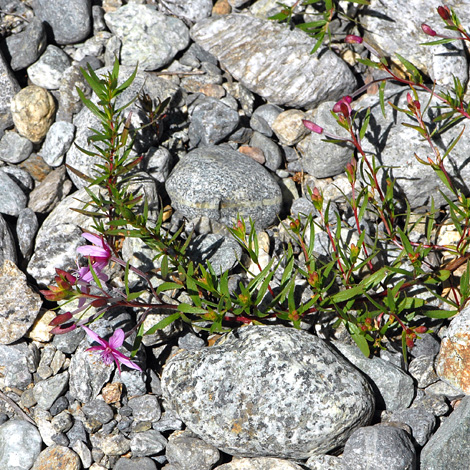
x=268, y=391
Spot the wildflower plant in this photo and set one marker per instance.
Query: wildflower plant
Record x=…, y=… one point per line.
x=374, y=301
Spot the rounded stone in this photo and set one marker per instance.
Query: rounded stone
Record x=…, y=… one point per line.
x=268, y=390
x=20, y=444
x=33, y=110
x=57, y=457
x=221, y=183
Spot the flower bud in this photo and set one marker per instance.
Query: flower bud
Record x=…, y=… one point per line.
x=421, y=329
x=444, y=13
x=60, y=319
x=312, y=126
x=428, y=30
x=62, y=329
x=353, y=39
x=317, y=199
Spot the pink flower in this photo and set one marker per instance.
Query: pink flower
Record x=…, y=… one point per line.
x=312, y=126
x=108, y=350
x=428, y=30
x=99, y=253
x=343, y=106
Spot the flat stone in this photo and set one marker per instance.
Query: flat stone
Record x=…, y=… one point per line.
x=14, y=148
x=12, y=199
x=57, y=457
x=19, y=304
x=148, y=37
x=9, y=87
x=449, y=447
x=25, y=47
x=14, y=361
x=58, y=140
x=259, y=463
x=297, y=399
x=249, y=49
x=221, y=183
x=379, y=448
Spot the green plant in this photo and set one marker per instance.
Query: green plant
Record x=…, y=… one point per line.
x=374, y=301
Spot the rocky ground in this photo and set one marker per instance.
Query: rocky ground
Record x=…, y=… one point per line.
x=265, y=397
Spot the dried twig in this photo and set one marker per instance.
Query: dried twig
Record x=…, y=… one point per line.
x=5, y=397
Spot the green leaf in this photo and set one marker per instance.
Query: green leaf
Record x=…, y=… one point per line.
x=441, y=314
x=411, y=68
x=347, y=294
x=365, y=124
x=436, y=43
x=168, y=286
x=319, y=42
x=163, y=323
x=369, y=63
x=186, y=308
x=135, y=295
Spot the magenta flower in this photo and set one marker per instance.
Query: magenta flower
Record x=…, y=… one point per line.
x=99, y=253
x=108, y=350
x=343, y=106
x=353, y=39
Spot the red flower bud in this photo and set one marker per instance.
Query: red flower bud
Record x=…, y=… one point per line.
x=353, y=39
x=444, y=13
x=428, y=30
x=421, y=329
x=62, y=329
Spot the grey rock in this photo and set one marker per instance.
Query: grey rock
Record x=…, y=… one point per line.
x=259, y=463
x=147, y=443
x=19, y=304
x=422, y=370
x=99, y=24
x=60, y=439
x=12, y=199
x=244, y=96
x=21, y=177
x=25, y=47
x=9, y=87
x=221, y=252
x=111, y=444
x=7, y=243
x=142, y=463
x=59, y=405
x=84, y=453
x=69, y=100
x=211, y=122
x=324, y=462
x=145, y=408
x=220, y=183
x=436, y=404
x=190, y=341
x=155, y=87
x=449, y=447
x=272, y=152
x=88, y=374
x=289, y=128
x=99, y=410
x=394, y=389
x=192, y=10
x=26, y=228
x=20, y=444
x=426, y=345
x=52, y=189
x=324, y=159
x=148, y=37
x=303, y=207
x=441, y=388
x=58, y=140
x=421, y=422
x=248, y=48
x=264, y=115
x=68, y=342
x=158, y=163
x=69, y=22
x=397, y=30
x=169, y=421
x=47, y=391
x=186, y=451
x=48, y=71
x=379, y=448
x=14, y=148
x=62, y=422
x=77, y=432
x=250, y=408
x=14, y=362
x=259, y=124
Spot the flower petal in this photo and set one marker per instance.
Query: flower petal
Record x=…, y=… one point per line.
x=117, y=339
x=95, y=337
x=93, y=238
x=125, y=360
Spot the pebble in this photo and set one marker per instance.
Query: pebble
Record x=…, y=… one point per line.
x=57, y=457
x=25, y=47
x=33, y=111
x=222, y=200
x=20, y=445
x=47, y=72
x=26, y=228
x=12, y=198
x=14, y=148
